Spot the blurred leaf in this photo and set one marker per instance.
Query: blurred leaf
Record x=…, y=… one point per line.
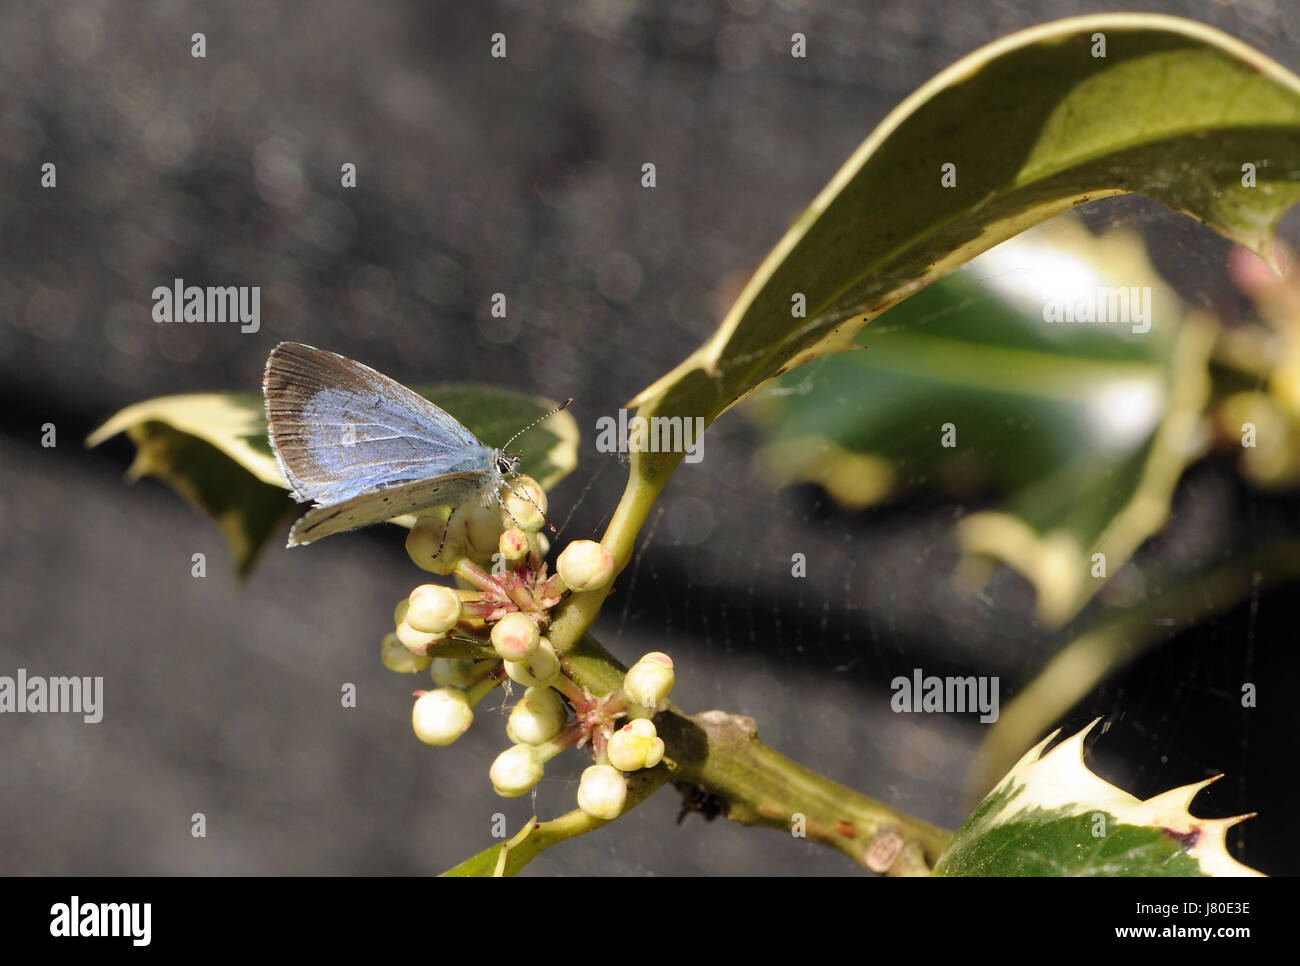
x=1052, y=816
x=1260, y=374
x=213, y=450
x=1176, y=593
x=1083, y=428
x=1035, y=124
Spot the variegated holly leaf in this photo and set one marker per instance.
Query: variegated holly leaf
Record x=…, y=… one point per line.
x=1024, y=129
x=1052, y=816
x=213, y=450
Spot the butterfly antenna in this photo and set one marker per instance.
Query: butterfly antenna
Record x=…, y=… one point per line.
x=524, y=496
x=540, y=419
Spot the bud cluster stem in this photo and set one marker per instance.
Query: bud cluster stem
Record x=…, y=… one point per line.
x=720, y=754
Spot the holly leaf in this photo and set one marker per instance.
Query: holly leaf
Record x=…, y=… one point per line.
x=1031, y=125
x=1052, y=816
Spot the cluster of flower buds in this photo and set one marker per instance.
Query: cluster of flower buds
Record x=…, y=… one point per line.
x=492, y=628
x=541, y=728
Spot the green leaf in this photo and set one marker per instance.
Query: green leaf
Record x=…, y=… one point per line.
x=1082, y=429
x=212, y=448
x=1052, y=816
x=507, y=858
x=480, y=866
x=1035, y=124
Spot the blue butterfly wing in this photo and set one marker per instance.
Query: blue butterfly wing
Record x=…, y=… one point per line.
x=341, y=430
x=384, y=504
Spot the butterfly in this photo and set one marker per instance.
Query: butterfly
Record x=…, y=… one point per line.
x=365, y=449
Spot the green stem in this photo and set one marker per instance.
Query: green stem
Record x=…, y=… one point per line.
x=578, y=612
x=757, y=785
x=720, y=754
x=485, y=685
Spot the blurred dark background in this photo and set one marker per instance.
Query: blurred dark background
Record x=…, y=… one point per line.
x=475, y=176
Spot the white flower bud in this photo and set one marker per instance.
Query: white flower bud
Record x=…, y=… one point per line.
x=585, y=565
x=397, y=658
x=538, y=717
x=440, y=717
x=434, y=546
x=482, y=532
x=416, y=641
x=510, y=733
x=526, y=509
x=602, y=792
x=515, y=636
x=515, y=771
x=433, y=608
x=650, y=679
x=630, y=747
x=538, y=669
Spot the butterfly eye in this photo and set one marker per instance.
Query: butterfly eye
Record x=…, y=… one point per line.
x=507, y=464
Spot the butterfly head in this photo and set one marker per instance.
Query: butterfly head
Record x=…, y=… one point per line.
x=507, y=464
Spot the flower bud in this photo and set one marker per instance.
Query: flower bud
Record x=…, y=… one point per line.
x=525, y=504
x=635, y=745
x=482, y=532
x=538, y=717
x=515, y=771
x=435, y=546
x=585, y=565
x=417, y=642
x=397, y=658
x=602, y=792
x=515, y=636
x=440, y=717
x=399, y=612
x=433, y=609
x=650, y=679
x=513, y=545
x=538, y=669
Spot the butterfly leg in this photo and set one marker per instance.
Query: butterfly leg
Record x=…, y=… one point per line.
x=445, y=530
x=527, y=499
